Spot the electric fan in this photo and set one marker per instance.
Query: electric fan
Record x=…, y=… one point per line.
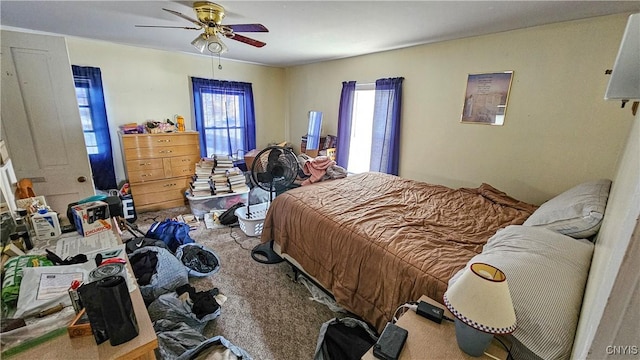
x=274, y=169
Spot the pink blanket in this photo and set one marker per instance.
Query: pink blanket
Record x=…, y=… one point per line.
x=317, y=168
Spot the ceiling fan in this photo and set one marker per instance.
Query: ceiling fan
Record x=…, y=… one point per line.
x=209, y=17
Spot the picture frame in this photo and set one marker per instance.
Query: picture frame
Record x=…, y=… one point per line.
x=486, y=98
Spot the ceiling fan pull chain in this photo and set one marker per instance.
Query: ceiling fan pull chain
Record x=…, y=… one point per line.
x=219, y=65
x=213, y=73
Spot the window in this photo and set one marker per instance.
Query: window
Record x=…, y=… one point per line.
x=224, y=116
x=93, y=114
x=82, y=94
x=361, y=128
x=369, y=126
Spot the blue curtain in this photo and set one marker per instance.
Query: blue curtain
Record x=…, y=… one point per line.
x=104, y=177
x=385, y=149
x=224, y=135
x=344, y=122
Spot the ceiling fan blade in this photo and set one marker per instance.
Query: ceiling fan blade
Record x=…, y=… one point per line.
x=170, y=27
x=246, y=40
x=184, y=17
x=247, y=28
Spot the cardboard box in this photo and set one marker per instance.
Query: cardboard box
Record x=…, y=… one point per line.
x=249, y=157
x=92, y=217
x=80, y=326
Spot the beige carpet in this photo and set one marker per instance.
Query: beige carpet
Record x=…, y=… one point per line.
x=267, y=314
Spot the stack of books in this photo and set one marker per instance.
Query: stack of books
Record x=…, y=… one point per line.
x=223, y=162
x=216, y=176
x=219, y=177
x=201, y=187
x=221, y=185
x=206, y=165
x=237, y=180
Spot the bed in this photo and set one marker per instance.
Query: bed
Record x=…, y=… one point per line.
x=376, y=241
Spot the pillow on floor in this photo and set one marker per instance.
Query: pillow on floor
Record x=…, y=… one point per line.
x=577, y=212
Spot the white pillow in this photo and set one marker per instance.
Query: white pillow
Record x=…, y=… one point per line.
x=577, y=212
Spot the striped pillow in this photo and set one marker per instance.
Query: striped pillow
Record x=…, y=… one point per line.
x=577, y=212
x=546, y=273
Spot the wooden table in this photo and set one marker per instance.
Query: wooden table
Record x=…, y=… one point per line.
x=429, y=340
x=62, y=347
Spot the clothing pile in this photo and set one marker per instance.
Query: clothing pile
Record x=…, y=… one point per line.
x=178, y=311
x=319, y=169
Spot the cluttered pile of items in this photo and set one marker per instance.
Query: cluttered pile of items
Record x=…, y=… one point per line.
x=155, y=126
x=63, y=283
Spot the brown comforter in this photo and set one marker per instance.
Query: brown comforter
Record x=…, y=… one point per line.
x=376, y=241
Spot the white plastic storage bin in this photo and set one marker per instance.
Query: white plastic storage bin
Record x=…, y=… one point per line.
x=201, y=205
x=252, y=226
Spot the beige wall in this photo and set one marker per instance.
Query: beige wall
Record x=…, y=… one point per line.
x=144, y=84
x=612, y=244
x=558, y=129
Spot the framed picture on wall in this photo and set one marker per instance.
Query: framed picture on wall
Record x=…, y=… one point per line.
x=486, y=97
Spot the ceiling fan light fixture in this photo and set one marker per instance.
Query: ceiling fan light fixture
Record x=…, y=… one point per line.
x=209, y=42
x=201, y=42
x=216, y=46
x=209, y=19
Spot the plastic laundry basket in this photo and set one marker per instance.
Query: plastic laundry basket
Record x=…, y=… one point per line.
x=252, y=225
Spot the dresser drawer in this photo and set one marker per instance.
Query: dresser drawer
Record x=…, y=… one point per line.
x=146, y=175
x=190, y=160
x=183, y=170
x=161, y=151
x=174, y=185
x=157, y=197
x=152, y=140
x=168, y=204
x=144, y=164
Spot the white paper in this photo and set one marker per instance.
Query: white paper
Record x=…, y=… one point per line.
x=211, y=219
x=52, y=285
x=71, y=246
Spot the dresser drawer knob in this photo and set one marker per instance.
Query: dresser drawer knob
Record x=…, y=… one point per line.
x=165, y=151
x=164, y=140
x=143, y=164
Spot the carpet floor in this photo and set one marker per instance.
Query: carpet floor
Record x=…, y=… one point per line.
x=267, y=313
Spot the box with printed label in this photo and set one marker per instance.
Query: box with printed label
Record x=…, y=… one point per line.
x=92, y=217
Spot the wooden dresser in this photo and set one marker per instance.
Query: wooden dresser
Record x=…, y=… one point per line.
x=159, y=167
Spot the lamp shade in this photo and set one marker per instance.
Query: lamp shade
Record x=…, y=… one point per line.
x=480, y=298
x=201, y=42
x=216, y=46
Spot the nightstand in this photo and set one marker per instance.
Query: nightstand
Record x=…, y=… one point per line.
x=429, y=340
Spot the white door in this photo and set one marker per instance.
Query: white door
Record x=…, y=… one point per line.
x=40, y=118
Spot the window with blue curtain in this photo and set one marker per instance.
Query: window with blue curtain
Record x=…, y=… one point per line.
x=370, y=112
x=224, y=116
x=385, y=152
x=93, y=114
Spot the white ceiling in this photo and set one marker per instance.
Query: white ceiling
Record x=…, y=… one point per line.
x=300, y=32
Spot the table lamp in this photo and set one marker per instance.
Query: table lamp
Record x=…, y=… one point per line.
x=481, y=302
